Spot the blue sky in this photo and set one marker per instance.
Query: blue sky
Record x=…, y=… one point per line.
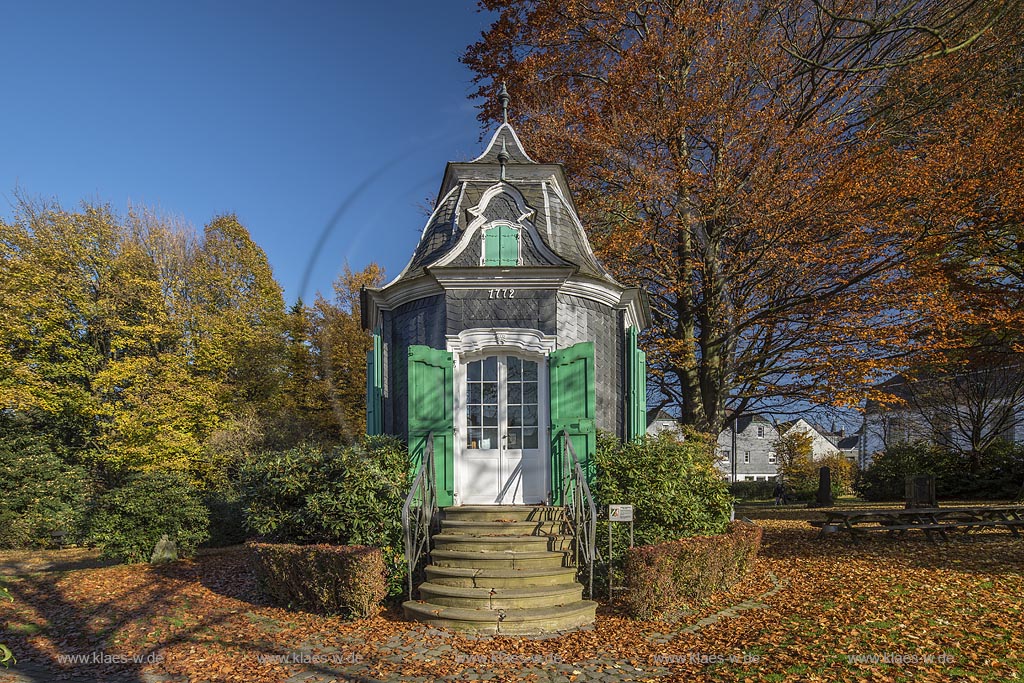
x=277, y=111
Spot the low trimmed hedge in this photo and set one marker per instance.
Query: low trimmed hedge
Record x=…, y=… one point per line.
x=325, y=579
x=753, y=490
x=669, y=579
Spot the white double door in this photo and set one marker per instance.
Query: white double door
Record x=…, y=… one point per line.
x=502, y=458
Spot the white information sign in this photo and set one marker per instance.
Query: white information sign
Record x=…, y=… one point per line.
x=620, y=513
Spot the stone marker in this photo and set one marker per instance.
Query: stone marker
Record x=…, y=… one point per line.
x=166, y=551
x=824, y=498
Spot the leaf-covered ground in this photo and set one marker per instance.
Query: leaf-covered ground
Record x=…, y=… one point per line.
x=812, y=610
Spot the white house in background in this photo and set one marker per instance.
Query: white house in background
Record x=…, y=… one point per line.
x=826, y=441
x=946, y=411
x=746, y=448
x=663, y=422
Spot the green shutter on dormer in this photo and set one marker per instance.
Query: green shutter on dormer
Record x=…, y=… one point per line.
x=509, y=250
x=501, y=246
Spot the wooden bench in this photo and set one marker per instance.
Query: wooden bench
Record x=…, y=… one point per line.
x=926, y=528
x=966, y=526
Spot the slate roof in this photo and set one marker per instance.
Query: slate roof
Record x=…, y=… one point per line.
x=544, y=190
x=849, y=443
x=440, y=234
x=504, y=138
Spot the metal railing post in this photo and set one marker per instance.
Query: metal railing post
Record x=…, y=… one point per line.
x=583, y=515
x=418, y=513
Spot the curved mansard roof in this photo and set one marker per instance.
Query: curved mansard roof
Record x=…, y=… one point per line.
x=533, y=195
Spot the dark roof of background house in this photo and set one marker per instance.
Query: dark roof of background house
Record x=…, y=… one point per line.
x=849, y=442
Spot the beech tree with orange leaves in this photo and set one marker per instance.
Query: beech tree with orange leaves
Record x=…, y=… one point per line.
x=737, y=160
x=957, y=125
x=960, y=121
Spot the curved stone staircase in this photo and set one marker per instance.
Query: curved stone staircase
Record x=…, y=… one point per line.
x=502, y=569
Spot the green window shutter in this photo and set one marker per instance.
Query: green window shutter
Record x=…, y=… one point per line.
x=501, y=246
x=492, y=247
x=636, y=423
x=431, y=393
x=509, y=251
x=571, y=373
x=375, y=387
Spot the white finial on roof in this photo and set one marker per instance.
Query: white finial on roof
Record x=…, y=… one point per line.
x=503, y=100
x=503, y=157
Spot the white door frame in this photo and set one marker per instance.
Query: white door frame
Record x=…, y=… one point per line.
x=477, y=343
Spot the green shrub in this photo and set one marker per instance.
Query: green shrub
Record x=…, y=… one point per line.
x=999, y=476
x=227, y=521
x=753, y=490
x=800, y=469
x=673, y=486
x=347, y=580
x=42, y=494
x=801, y=476
x=345, y=496
x=127, y=521
x=668, y=579
x=885, y=478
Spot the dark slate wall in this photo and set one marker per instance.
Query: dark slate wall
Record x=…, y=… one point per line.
x=529, y=308
x=581, y=320
x=573, y=319
x=417, y=322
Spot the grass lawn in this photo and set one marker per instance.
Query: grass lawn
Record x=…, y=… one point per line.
x=812, y=610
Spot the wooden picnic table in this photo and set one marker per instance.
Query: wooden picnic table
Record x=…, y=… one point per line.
x=970, y=518
x=895, y=521
x=931, y=521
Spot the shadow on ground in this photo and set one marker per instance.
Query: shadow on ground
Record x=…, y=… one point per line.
x=19, y=563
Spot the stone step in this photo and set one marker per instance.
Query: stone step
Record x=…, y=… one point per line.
x=504, y=513
x=500, y=578
x=559, y=542
x=489, y=528
x=499, y=559
x=526, y=621
x=502, y=569
x=491, y=543
x=500, y=598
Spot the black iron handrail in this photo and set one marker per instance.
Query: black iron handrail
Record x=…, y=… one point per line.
x=580, y=510
x=419, y=512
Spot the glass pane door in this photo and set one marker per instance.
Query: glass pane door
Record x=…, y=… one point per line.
x=482, y=404
x=503, y=459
